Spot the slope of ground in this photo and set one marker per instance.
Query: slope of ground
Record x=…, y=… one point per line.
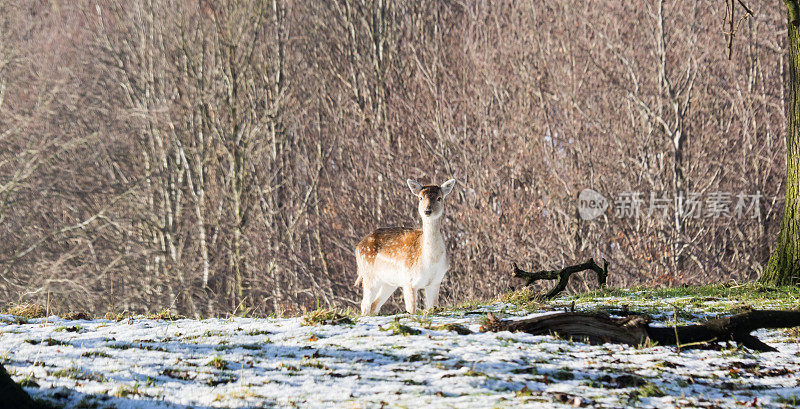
x=400, y=360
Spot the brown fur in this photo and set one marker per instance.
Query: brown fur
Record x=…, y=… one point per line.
x=430, y=191
x=393, y=241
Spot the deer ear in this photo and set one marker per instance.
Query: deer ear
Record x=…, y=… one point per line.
x=447, y=187
x=414, y=186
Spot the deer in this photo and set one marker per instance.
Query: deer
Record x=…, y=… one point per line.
x=414, y=259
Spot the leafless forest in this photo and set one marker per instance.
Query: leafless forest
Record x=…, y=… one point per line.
x=220, y=157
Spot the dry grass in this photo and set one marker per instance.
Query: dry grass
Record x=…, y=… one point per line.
x=27, y=310
x=76, y=315
x=166, y=314
x=117, y=316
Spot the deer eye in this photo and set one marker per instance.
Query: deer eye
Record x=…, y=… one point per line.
x=439, y=199
x=420, y=198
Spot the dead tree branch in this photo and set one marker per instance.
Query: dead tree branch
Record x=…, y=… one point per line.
x=597, y=328
x=563, y=275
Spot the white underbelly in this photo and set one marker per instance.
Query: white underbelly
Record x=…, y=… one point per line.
x=396, y=273
x=390, y=271
x=430, y=275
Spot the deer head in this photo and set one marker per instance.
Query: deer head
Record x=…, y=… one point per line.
x=431, y=197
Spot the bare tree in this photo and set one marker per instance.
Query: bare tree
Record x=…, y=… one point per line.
x=225, y=157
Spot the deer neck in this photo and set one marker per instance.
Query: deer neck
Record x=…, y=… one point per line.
x=432, y=240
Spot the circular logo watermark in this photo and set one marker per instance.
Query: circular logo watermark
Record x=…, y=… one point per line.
x=591, y=204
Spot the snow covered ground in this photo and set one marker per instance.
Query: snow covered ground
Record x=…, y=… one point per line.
x=376, y=362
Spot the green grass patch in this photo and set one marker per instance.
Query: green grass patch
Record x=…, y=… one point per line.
x=95, y=354
x=72, y=328
x=76, y=373
x=149, y=347
x=457, y=328
x=123, y=391
x=313, y=363
x=117, y=316
x=752, y=294
x=563, y=375
x=255, y=332
x=218, y=362
x=791, y=401
x=327, y=316
x=165, y=315
x=524, y=298
x=650, y=390
x=220, y=380
x=47, y=341
x=400, y=329
x=288, y=367
x=250, y=347
x=28, y=382
x=524, y=392
x=122, y=346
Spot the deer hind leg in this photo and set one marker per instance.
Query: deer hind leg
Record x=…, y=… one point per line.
x=431, y=295
x=383, y=294
x=371, y=288
x=410, y=297
x=365, y=300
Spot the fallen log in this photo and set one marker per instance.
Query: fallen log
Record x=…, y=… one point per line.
x=598, y=328
x=563, y=275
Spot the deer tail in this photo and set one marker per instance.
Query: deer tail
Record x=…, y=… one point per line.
x=359, y=266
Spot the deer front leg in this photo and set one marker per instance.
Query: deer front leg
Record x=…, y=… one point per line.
x=409, y=294
x=431, y=295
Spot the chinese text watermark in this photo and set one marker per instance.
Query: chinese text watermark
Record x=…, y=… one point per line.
x=687, y=205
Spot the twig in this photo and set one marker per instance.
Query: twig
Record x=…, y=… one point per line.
x=747, y=9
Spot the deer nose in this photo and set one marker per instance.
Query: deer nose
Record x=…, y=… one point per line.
x=428, y=212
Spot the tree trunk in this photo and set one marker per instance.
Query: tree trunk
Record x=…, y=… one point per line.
x=12, y=394
x=784, y=264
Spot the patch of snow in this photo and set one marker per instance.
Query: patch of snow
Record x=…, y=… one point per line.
x=144, y=363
